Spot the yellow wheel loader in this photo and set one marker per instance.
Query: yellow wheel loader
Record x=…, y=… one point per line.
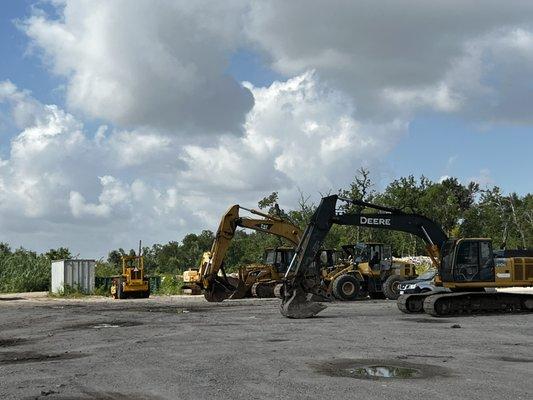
x=132, y=283
x=368, y=270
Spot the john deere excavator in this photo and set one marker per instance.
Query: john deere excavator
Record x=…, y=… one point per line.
x=256, y=279
x=466, y=266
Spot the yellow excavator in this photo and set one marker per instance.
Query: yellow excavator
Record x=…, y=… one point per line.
x=465, y=266
x=344, y=280
x=258, y=280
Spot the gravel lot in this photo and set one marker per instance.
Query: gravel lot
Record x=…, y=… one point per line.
x=182, y=347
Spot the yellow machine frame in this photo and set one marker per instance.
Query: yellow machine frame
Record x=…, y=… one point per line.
x=132, y=282
x=212, y=261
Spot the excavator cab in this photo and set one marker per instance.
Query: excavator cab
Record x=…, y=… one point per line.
x=280, y=258
x=467, y=260
x=466, y=266
x=377, y=255
x=329, y=258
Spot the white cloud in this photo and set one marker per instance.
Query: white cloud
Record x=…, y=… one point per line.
x=138, y=147
x=145, y=64
x=398, y=59
x=167, y=160
x=483, y=178
x=57, y=187
x=299, y=134
x=80, y=207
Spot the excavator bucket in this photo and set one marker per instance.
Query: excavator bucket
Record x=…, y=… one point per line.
x=219, y=290
x=240, y=292
x=299, y=305
x=216, y=293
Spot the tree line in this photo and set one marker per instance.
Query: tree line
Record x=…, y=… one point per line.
x=463, y=210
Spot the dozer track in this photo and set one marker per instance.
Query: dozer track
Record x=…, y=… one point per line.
x=412, y=303
x=449, y=304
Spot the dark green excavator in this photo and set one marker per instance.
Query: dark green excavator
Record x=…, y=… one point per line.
x=465, y=266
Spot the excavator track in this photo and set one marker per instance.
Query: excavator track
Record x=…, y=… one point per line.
x=412, y=303
x=449, y=304
x=263, y=289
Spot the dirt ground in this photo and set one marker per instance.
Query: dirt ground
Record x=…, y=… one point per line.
x=182, y=347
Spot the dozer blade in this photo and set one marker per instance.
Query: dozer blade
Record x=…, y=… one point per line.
x=298, y=305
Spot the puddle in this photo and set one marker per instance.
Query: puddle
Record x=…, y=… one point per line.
x=385, y=371
x=427, y=320
x=8, y=342
x=97, y=395
x=379, y=369
x=7, y=358
x=101, y=325
x=515, y=359
x=423, y=356
x=151, y=309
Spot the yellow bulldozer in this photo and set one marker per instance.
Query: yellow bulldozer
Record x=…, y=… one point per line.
x=132, y=283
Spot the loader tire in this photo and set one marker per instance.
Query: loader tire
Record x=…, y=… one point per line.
x=146, y=294
x=346, y=287
x=391, y=287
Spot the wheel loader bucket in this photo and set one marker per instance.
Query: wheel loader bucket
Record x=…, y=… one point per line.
x=299, y=305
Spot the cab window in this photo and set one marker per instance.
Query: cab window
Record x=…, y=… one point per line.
x=467, y=253
x=474, y=261
x=270, y=257
x=324, y=257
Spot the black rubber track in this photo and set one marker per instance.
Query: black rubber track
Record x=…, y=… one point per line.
x=449, y=304
x=412, y=303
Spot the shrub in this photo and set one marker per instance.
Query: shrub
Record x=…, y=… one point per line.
x=24, y=271
x=170, y=285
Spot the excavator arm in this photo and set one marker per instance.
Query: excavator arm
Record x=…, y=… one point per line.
x=304, y=282
x=218, y=288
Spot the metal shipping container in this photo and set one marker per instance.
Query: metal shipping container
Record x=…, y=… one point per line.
x=74, y=274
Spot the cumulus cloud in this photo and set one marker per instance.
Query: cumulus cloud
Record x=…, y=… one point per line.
x=149, y=64
x=181, y=140
x=299, y=134
x=400, y=57
x=61, y=182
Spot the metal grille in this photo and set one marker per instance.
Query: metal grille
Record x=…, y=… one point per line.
x=518, y=271
x=529, y=270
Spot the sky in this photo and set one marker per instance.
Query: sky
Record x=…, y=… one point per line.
x=124, y=120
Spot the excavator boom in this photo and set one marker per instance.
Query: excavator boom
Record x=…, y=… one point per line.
x=218, y=288
x=392, y=219
x=464, y=264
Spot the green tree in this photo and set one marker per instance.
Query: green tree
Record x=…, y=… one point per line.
x=61, y=253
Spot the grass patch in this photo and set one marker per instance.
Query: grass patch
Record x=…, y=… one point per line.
x=170, y=285
x=71, y=292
